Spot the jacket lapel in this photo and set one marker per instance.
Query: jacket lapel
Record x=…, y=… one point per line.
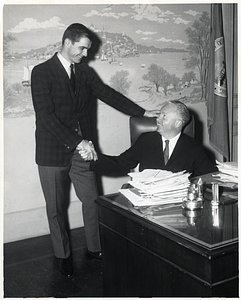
x=177, y=151
x=60, y=72
x=158, y=151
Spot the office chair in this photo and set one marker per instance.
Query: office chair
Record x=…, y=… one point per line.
x=140, y=125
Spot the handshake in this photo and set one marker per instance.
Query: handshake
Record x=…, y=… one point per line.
x=87, y=151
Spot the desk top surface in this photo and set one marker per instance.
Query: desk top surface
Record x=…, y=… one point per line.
x=210, y=226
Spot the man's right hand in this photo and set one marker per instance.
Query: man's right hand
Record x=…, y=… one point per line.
x=87, y=151
x=152, y=113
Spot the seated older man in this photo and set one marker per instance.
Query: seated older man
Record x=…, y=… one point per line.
x=168, y=148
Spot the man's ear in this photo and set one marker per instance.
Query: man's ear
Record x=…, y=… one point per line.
x=178, y=123
x=67, y=42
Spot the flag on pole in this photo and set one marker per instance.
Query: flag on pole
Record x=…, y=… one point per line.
x=217, y=105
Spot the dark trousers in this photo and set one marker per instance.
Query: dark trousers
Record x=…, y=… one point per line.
x=53, y=181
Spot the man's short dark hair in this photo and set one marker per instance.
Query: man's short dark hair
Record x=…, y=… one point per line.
x=182, y=111
x=75, y=32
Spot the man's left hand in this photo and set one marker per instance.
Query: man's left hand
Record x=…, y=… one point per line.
x=152, y=113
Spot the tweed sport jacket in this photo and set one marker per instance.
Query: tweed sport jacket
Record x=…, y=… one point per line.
x=60, y=112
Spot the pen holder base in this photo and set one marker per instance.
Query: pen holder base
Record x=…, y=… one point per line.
x=192, y=204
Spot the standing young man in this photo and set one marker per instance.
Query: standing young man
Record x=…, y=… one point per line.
x=63, y=127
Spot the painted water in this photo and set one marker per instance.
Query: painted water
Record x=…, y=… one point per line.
x=174, y=63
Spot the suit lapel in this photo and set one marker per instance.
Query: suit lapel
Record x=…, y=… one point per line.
x=180, y=145
x=60, y=72
x=59, y=68
x=159, y=150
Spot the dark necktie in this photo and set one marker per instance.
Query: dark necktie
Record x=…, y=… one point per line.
x=166, y=152
x=72, y=76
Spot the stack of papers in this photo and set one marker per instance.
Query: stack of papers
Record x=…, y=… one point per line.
x=156, y=187
x=228, y=171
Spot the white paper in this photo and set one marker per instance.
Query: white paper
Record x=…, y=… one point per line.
x=228, y=172
x=155, y=187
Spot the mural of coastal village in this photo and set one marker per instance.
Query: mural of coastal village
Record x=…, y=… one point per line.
x=147, y=74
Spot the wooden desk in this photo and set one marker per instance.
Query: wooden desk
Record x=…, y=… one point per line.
x=170, y=254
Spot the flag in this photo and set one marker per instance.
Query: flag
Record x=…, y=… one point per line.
x=217, y=105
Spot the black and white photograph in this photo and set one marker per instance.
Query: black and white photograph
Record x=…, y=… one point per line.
x=120, y=149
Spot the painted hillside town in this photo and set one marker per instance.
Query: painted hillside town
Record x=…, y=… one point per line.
x=148, y=75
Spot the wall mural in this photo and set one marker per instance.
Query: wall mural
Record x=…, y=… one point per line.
x=150, y=53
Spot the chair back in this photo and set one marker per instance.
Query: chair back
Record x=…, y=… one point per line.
x=139, y=125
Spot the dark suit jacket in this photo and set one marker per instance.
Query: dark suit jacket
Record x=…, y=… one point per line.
x=147, y=151
x=59, y=111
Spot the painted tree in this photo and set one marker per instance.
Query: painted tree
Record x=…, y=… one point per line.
x=166, y=81
x=175, y=81
x=199, y=44
x=7, y=39
x=156, y=75
x=187, y=77
x=119, y=82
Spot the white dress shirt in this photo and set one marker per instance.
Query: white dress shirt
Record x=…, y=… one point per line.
x=172, y=143
x=66, y=64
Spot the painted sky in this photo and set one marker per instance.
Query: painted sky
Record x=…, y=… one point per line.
x=160, y=25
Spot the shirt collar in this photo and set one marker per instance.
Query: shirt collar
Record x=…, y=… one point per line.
x=172, y=140
x=64, y=62
x=172, y=143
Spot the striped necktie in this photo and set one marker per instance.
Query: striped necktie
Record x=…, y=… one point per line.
x=72, y=76
x=166, y=152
